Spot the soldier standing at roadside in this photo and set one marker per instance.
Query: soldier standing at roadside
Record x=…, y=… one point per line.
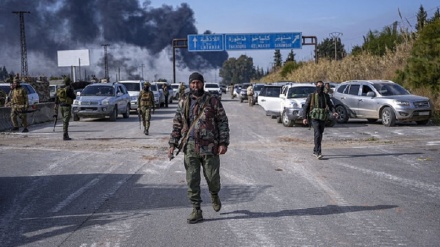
x=166, y=93
x=2, y=98
x=250, y=94
x=19, y=105
x=145, y=104
x=64, y=98
x=318, y=106
x=181, y=90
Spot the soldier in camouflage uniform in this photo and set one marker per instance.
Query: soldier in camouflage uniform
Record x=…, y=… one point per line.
x=201, y=119
x=166, y=93
x=19, y=105
x=145, y=104
x=64, y=98
x=181, y=90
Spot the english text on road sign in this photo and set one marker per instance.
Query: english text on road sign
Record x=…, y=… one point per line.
x=206, y=42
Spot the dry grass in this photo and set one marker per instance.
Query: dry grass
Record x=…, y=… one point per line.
x=361, y=67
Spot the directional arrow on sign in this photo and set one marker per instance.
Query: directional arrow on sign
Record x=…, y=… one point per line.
x=296, y=38
x=195, y=41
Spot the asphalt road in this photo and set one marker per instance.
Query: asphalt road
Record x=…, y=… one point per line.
x=113, y=186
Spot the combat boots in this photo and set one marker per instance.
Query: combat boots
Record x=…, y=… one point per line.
x=66, y=137
x=195, y=216
x=15, y=129
x=25, y=130
x=146, y=131
x=216, y=203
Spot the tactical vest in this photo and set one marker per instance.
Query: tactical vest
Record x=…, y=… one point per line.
x=62, y=96
x=19, y=96
x=146, y=98
x=318, y=113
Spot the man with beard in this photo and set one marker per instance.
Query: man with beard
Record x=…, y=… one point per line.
x=317, y=107
x=202, y=122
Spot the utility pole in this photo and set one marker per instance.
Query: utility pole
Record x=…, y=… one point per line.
x=106, y=62
x=24, y=66
x=142, y=69
x=335, y=35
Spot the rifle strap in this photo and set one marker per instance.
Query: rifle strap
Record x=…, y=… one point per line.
x=185, y=139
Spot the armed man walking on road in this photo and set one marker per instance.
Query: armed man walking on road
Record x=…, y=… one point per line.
x=19, y=105
x=318, y=107
x=202, y=124
x=166, y=93
x=250, y=94
x=64, y=99
x=145, y=104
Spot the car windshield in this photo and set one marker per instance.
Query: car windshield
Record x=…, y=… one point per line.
x=389, y=89
x=300, y=92
x=258, y=87
x=153, y=87
x=175, y=86
x=98, y=91
x=6, y=89
x=211, y=86
x=135, y=86
x=52, y=88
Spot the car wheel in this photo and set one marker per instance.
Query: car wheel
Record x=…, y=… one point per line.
x=286, y=121
x=75, y=117
x=423, y=122
x=388, y=117
x=114, y=114
x=371, y=120
x=342, y=114
x=241, y=100
x=127, y=112
x=279, y=120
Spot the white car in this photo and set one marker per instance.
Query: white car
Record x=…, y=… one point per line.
x=269, y=99
x=293, y=97
x=159, y=98
x=32, y=93
x=133, y=87
x=213, y=88
x=171, y=91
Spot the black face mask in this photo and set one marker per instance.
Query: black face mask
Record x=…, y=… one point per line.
x=146, y=89
x=319, y=89
x=197, y=92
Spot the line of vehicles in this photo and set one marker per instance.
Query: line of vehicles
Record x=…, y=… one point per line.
x=362, y=99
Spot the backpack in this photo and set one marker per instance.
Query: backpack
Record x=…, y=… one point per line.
x=62, y=96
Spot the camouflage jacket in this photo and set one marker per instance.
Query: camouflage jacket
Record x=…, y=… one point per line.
x=19, y=97
x=211, y=129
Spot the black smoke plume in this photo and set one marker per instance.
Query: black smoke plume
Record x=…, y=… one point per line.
x=56, y=25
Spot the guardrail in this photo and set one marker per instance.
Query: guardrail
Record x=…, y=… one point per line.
x=43, y=113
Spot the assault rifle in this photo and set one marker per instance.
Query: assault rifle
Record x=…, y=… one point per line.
x=139, y=117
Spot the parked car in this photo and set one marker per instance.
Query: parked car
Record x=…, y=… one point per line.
x=133, y=87
x=243, y=92
x=223, y=88
x=102, y=100
x=53, y=91
x=270, y=101
x=257, y=89
x=293, y=97
x=159, y=97
x=379, y=99
x=176, y=89
x=237, y=89
x=213, y=88
x=171, y=91
x=32, y=93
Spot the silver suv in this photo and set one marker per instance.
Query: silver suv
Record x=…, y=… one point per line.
x=380, y=99
x=101, y=100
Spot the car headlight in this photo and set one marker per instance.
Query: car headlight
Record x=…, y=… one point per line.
x=292, y=105
x=105, y=102
x=76, y=102
x=401, y=102
x=133, y=98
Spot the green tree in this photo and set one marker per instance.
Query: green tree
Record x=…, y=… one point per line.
x=237, y=70
x=277, y=59
x=423, y=68
x=290, y=57
x=421, y=18
x=377, y=43
x=436, y=16
x=326, y=49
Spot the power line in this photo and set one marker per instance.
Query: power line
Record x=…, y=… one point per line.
x=106, y=76
x=335, y=35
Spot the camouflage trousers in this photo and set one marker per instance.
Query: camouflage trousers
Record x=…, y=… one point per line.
x=211, y=171
x=146, y=116
x=16, y=112
x=66, y=112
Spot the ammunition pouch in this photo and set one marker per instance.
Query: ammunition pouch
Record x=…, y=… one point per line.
x=319, y=114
